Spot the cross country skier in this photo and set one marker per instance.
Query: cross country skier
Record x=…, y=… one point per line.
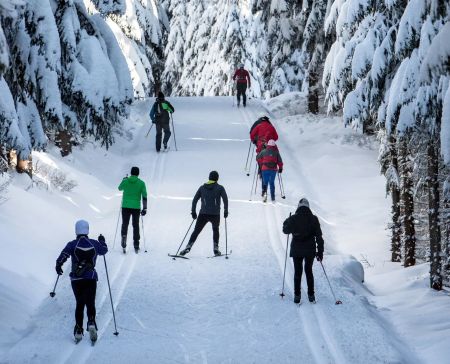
x=307, y=243
x=261, y=132
x=159, y=114
x=269, y=162
x=83, y=252
x=242, y=78
x=133, y=191
x=210, y=194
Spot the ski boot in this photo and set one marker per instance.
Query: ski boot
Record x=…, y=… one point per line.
x=165, y=147
x=77, y=333
x=92, y=328
x=185, y=251
x=312, y=298
x=124, y=243
x=136, y=247
x=297, y=299
x=264, y=196
x=216, y=250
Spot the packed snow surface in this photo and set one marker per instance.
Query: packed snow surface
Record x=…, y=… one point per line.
x=205, y=310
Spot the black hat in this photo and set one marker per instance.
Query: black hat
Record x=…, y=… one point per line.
x=160, y=95
x=135, y=171
x=213, y=176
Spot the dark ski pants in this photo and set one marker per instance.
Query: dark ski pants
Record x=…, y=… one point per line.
x=84, y=291
x=241, y=88
x=159, y=129
x=134, y=213
x=268, y=179
x=298, y=270
x=202, y=220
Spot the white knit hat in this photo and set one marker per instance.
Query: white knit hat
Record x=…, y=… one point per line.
x=303, y=202
x=81, y=227
x=271, y=143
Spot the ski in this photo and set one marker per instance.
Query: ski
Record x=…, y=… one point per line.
x=222, y=255
x=174, y=256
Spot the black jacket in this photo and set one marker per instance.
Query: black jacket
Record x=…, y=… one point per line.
x=210, y=194
x=160, y=111
x=306, y=233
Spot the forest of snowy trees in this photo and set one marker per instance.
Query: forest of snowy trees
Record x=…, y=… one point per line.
x=70, y=69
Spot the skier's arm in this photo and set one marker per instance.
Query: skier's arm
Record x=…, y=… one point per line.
x=101, y=247
x=254, y=135
x=122, y=184
x=280, y=161
x=171, y=108
x=248, y=79
x=224, y=195
x=65, y=254
x=287, y=228
x=318, y=235
x=152, y=112
x=195, y=200
x=234, y=76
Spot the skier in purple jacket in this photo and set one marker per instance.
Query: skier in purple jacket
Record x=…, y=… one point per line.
x=83, y=253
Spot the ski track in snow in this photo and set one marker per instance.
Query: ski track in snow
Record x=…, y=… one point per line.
x=211, y=310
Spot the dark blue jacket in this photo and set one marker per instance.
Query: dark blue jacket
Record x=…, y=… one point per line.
x=84, y=251
x=210, y=194
x=159, y=113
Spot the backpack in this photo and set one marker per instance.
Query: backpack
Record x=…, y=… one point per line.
x=85, y=257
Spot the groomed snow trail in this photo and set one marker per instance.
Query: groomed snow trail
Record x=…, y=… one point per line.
x=209, y=310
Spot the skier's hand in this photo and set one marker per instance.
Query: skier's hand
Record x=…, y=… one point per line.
x=319, y=257
x=143, y=212
x=101, y=239
x=124, y=178
x=225, y=214
x=59, y=270
x=280, y=170
x=194, y=215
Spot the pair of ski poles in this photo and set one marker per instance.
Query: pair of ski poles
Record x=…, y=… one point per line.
x=173, y=129
x=53, y=293
x=117, y=226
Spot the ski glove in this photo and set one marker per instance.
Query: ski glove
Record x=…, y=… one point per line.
x=101, y=239
x=143, y=212
x=194, y=215
x=225, y=214
x=280, y=170
x=58, y=269
x=319, y=257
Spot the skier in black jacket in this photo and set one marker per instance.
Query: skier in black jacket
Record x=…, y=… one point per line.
x=210, y=193
x=160, y=116
x=307, y=243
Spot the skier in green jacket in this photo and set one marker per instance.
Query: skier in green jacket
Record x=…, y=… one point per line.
x=133, y=190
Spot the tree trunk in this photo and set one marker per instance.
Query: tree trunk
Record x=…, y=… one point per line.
x=407, y=202
x=25, y=166
x=313, y=93
x=63, y=139
x=396, y=243
x=433, y=216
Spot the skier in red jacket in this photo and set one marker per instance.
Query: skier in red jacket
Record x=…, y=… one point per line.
x=269, y=161
x=261, y=132
x=242, y=77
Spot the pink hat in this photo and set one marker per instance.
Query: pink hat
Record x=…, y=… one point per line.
x=271, y=143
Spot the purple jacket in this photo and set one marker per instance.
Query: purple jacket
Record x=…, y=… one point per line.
x=84, y=252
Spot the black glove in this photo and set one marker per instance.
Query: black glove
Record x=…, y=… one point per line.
x=153, y=121
x=319, y=256
x=225, y=214
x=280, y=170
x=194, y=215
x=125, y=177
x=143, y=212
x=58, y=269
x=101, y=239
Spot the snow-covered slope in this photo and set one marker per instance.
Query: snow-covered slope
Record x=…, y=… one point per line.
x=201, y=310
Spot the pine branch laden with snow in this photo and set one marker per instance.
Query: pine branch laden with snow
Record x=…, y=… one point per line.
x=8, y=10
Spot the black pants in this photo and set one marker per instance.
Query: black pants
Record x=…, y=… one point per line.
x=159, y=129
x=84, y=291
x=241, y=88
x=202, y=220
x=298, y=267
x=134, y=213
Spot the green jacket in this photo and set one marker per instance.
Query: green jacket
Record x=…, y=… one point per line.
x=133, y=189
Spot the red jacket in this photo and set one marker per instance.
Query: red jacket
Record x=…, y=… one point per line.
x=242, y=76
x=262, y=133
x=269, y=159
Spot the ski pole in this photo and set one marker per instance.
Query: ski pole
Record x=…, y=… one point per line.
x=149, y=130
x=248, y=155
x=110, y=296
x=52, y=293
x=143, y=233
x=187, y=232
x=174, y=137
x=280, y=181
x=337, y=302
x=257, y=174
x=250, y=166
x=226, y=240
x=117, y=226
x=285, y=261
x=253, y=182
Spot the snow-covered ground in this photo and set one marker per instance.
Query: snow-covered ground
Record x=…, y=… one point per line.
x=215, y=310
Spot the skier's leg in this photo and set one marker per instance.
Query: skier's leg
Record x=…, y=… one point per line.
x=309, y=260
x=135, y=213
x=199, y=225
x=167, y=134
x=271, y=181
x=90, y=291
x=298, y=270
x=158, y=136
x=126, y=213
x=78, y=291
x=215, y=222
x=265, y=181
x=244, y=95
x=239, y=92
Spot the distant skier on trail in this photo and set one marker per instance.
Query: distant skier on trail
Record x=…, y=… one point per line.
x=134, y=190
x=307, y=243
x=210, y=194
x=261, y=132
x=269, y=162
x=160, y=116
x=83, y=253
x=242, y=78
